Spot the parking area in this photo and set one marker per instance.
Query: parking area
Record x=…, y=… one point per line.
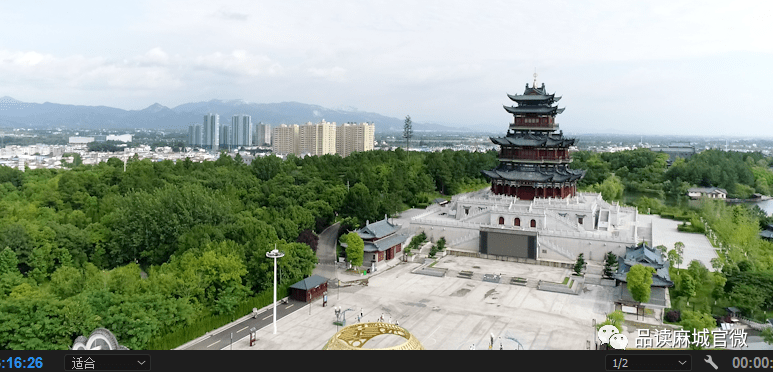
x=452, y=313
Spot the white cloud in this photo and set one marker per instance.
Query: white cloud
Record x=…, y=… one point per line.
x=155, y=56
x=239, y=62
x=333, y=73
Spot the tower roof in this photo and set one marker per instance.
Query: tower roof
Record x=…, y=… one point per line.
x=538, y=139
x=556, y=174
x=534, y=100
x=535, y=109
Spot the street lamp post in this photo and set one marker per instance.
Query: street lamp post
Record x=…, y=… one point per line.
x=274, y=254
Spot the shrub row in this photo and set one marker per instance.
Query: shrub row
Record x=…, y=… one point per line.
x=210, y=322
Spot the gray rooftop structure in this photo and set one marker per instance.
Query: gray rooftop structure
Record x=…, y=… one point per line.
x=377, y=230
x=706, y=190
x=534, y=140
x=647, y=256
x=554, y=174
x=534, y=98
x=541, y=110
x=309, y=283
x=382, y=245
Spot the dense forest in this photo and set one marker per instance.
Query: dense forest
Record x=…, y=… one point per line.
x=644, y=172
x=165, y=251
x=744, y=267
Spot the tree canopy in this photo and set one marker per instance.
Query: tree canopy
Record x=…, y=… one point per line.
x=639, y=281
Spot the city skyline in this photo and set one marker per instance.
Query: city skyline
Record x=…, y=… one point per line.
x=647, y=67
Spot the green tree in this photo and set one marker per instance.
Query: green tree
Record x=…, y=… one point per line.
x=639, y=280
x=408, y=132
x=611, y=189
x=66, y=281
x=441, y=244
x=679, y=248
x=610, y=264
x=614, y=318
x=354, y=248
x=767, y=335
x=688, y=287
x=693, y=321
x=8, y=261
x=747, y=297
x=578, y=265
x=699, y=272
x=360, y=203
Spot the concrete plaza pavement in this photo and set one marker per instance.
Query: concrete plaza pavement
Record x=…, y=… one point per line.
x=696, y=246
x=451, y=313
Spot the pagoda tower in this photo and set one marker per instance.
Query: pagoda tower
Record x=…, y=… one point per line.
x=533, y=159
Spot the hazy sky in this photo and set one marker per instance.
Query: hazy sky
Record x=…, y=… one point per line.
x=651, y=67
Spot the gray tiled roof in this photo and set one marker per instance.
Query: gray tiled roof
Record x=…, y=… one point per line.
x=536, y=175
x=386, y=243
x=377, y=230
x=526, y=98
x=534, y=140
x=644, y=255
x=534, y=110
x=309, y=283
x=706, y=190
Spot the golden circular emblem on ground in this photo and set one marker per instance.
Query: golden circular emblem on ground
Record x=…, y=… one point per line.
x=353, y=337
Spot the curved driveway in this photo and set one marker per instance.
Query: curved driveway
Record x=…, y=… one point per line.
x=326, y=252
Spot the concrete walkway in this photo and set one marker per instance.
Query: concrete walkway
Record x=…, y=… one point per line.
x=696, y=246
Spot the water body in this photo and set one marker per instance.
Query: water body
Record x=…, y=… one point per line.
x=765, y=205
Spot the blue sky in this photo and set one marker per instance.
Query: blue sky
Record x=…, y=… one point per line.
x=651, y=67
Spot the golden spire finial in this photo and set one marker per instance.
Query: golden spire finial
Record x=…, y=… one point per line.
x=534, y=85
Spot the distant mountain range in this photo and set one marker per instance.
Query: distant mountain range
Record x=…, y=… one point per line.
x=14, y=113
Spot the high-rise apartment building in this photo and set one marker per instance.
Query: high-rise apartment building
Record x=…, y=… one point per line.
x=194, y=135
x=317, y=139
x=241, y=127
x=285, y=139
x=226, y=137
x=210, y=136
x=263, y=134
x=352, y=137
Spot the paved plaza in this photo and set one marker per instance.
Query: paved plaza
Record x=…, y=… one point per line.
x=696, y=246
x=451, y=313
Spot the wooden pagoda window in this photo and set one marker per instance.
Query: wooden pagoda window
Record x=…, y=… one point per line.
x=501, y=220
x=533, y=223
x=517, y=222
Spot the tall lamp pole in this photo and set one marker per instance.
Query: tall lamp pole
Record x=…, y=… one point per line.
x=274, y=254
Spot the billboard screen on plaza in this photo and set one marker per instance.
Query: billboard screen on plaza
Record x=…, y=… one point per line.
x=509, y=244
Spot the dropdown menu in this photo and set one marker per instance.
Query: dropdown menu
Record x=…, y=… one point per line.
x=107, y=362
x=648, y=362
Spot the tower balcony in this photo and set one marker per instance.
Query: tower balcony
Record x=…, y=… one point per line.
x=537, y=161
x=535, y=126
x=534, y=154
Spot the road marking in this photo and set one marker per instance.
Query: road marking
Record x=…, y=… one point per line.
x=241, y=329
x=210, y=345
x=289, y=306
x=267, y=317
